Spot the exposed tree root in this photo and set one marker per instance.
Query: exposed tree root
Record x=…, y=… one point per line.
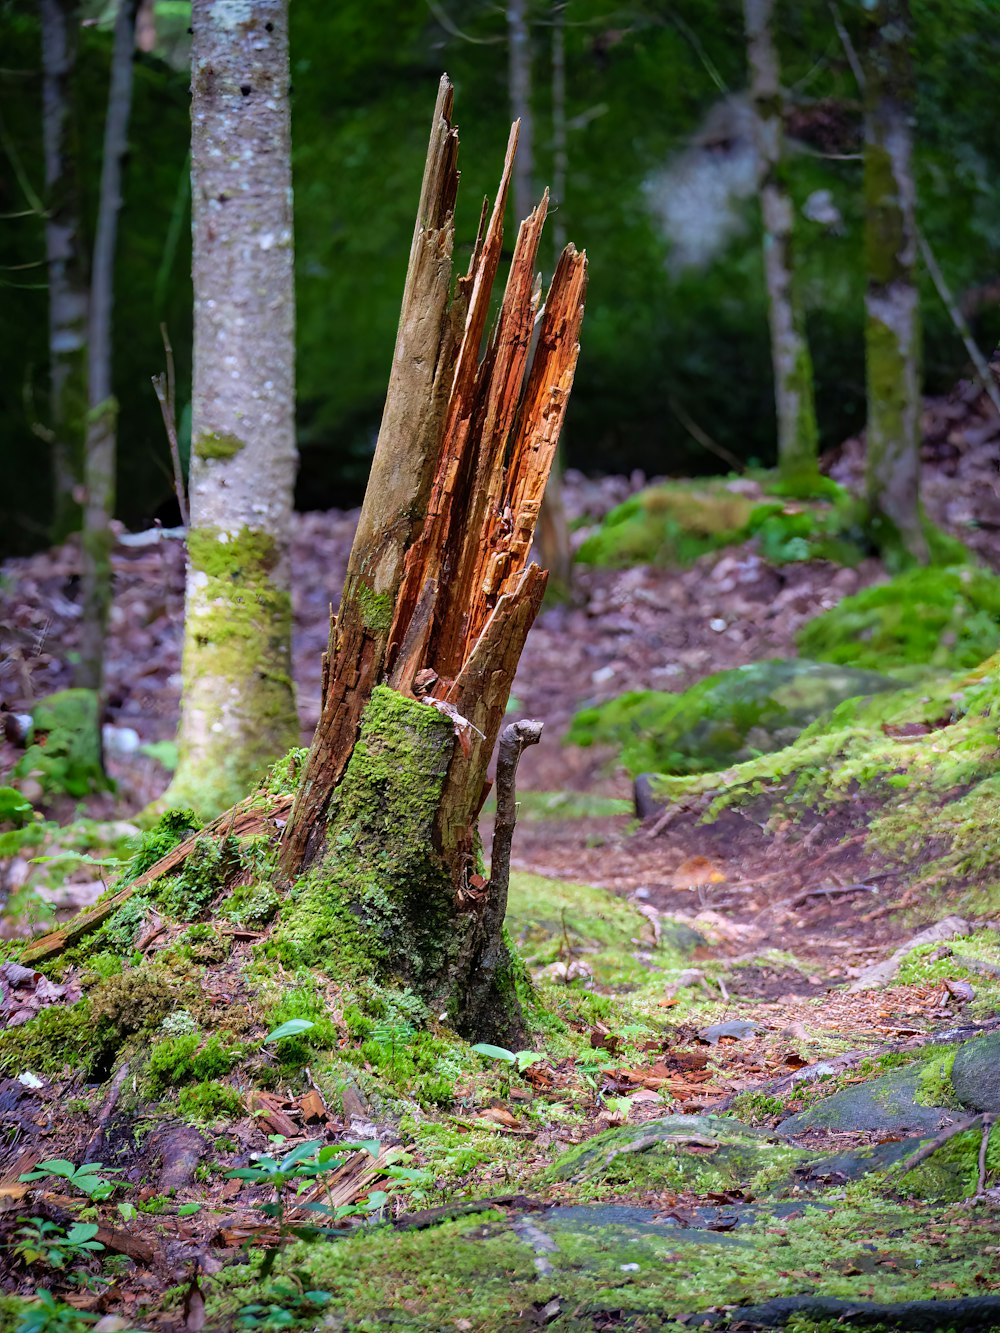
x=972, y=1312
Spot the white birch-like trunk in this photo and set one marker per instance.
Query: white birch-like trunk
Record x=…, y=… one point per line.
x=66, y=265
x=238, y=706
x=892, y=323
x=798, y=445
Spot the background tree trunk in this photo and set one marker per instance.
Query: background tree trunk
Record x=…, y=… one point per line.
x=892, y=327
x=102, y=418
x=798, y=442
x=553, y=531
x=238, y=707
x=66, y=264
x=437, y=603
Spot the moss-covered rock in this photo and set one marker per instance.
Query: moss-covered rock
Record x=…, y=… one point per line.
x=975, y=1074
x=917, y=769
x=65, y=750
x=725, y=718
x=886, y=1104
x=677, y=521
x=948, y=618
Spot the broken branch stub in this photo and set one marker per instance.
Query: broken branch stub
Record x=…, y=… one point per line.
x=439, y=595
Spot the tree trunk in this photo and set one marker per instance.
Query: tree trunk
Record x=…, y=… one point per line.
x=102, y=417
x=238, y=707
x=798, y=444
x=553, y=531
x=892, y=327
x=68, y=296
x=437, y=603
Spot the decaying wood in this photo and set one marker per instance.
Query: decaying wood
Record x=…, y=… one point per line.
x=243, y=821
x=439, y=594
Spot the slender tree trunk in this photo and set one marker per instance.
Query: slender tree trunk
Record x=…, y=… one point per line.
x=892, y=327
x=560, y=149
x=798, y=445
x=68, y=296
x=553, y=531
x=238, y=706
x=102, y=418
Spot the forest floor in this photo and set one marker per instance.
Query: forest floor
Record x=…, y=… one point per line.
x=732, y=964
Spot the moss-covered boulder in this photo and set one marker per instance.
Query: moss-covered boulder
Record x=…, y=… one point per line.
x=724, y=719
x=975, y=1074
x=675, y=522
x=65, y=750
x=702, y=1153
x=886, y=1104
x=940, y=617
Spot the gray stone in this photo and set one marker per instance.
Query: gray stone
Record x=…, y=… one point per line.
x=885, y=1104
x=975, y=1075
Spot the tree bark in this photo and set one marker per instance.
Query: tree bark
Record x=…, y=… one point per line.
x=798, y=441
x=102, y=417
x=238, y=707
x=437, y=603
x=66, y=264
x=553, y=531
x=892, y=326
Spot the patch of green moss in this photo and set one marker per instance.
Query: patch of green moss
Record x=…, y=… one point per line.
x=283, y=775
x=376, y=608
x=56, y=1039
x=208, y=1101
x=672, y=524
x=725, y=718
x=188, y=894
x=810, y=518
x=305, y=1001
x=252, y=905
x=65, y=750
x=223, y=555
x=190, y=1058
x=172, y=827
x=216, y=444
x=934, y=1083
x=952, y=1173
x=946, y=618
x=136, y=1000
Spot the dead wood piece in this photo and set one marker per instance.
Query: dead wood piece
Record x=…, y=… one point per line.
x=241, y=821
x=952, y=927
x=95, y=1144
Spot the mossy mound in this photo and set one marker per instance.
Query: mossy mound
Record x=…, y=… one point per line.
x=918, y=769
x=594, y=1267
x=65, y=750
x=948, y=618
x=676, y=522
x=725, y=718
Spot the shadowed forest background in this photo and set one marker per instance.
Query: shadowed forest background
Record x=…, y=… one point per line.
x=660, y=177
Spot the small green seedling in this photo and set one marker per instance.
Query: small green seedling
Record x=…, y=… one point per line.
x=46, y=1243
x=83, y=1178
x=523, y=1059
x=48, y=1315
x=301, y=1166
x=293, y=1028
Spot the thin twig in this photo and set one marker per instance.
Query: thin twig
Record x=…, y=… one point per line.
x=513, y=739
x=983, y=372
x=848, y=45
x=704, y=439
x=164, y=387
x=907, y=1164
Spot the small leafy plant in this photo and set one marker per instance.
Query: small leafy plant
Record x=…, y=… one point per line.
x=282, y=1307
x=83, y=1178
x=49, y=1315
x=522, y=1059
x=46, y=1243
x=300, y=1166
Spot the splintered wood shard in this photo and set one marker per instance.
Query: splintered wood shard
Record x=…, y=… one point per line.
x=438, y=583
